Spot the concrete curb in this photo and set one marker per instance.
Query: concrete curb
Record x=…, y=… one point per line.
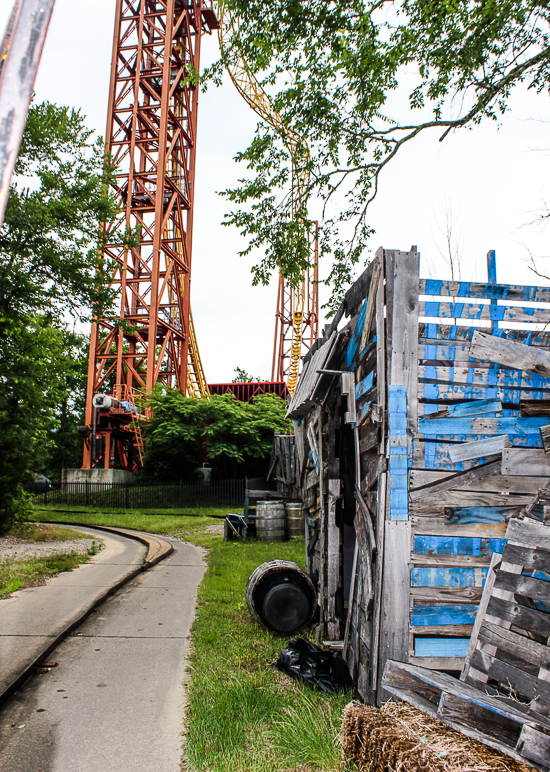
x=158, y=549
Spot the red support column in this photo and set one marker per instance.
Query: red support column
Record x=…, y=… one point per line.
x=151, y=135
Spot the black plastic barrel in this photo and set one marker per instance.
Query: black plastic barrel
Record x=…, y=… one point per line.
x=281, y=596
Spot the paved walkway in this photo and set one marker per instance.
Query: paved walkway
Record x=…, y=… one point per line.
x=115, y=700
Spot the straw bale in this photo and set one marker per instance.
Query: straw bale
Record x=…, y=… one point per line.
x=400, y=738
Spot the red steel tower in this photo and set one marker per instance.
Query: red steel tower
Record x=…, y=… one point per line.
x=151, y=134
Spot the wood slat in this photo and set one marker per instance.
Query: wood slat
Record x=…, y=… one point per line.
x=510, y=353
x=483, y=311
x=494, y=484
x=432, y=332
x=520, y=616
x=527, y=462
x=505, y=378
x=487, y=291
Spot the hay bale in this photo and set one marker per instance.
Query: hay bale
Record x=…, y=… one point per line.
x=400, y=738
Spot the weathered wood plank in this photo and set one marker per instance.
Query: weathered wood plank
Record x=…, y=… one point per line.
x=482, y=376
x=528, y=533
x=397, y=444
x=378, y=582
x=535, y=407
x=469, y=477
x=404, y=344
x=333, y=560
x=509, y=353
x=437, y=663
x=444, y=287
x=520, y=646
x=463, y=712
x=448, y=546
x=478, y=311
x=439, y=526
x=475, y=407
x=520, y=616
x=446, y=594
x=394, y=619
x=478, y=622
x=454, y=615
x=530, y=558
x=451, y=560
x=478, y=426
x=381, y=350
x=534, y=746
x=504, y=506
x=529, y=462
x=495, y=484
x=529, y=587
x=545, y=437
x=458, y=631
x=479, y=448
x=447, y=576
x=511, y=677
x=432, y=332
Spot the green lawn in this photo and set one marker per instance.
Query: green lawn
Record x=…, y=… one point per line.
x=242, y=715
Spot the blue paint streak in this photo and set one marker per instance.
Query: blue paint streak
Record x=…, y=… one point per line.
x=443, y=615
x=455, y=576
x=457, y=545
x=441, y=647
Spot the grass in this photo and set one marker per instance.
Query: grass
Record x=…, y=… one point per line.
x=158, y=521
x=43, y=533
x=242, y=715
x=16, y=574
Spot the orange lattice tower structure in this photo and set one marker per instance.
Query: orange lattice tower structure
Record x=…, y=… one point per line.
x=151, y=135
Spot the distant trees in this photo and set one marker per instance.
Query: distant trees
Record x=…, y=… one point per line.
x=234, y=437
x=330, y=68
x=51, y=276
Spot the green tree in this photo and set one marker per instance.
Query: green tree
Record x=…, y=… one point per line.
x=329, y=68
x=241, y=376
x=52, y=272
x=234, y=437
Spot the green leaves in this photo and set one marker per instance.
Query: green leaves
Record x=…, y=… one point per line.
x=329, y=67
x=235, y=437
x=51, y=269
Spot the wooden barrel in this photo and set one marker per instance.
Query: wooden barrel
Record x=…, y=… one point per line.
x=270, y=520
x=295, y=520
x=281, y=596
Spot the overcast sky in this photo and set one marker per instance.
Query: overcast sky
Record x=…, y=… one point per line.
x=492, y=178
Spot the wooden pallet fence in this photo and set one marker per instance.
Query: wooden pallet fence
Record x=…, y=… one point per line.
x=419, y=421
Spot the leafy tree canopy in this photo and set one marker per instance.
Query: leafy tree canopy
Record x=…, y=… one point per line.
x=234, y=437
x=330, y=67
x=49, y=268
x=241, y=376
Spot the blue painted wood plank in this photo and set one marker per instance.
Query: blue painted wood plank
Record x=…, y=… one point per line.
x=364, y=386
x=455, y=576
x=470, y=425
x=443, y=615
x=477, y=311
x=441, y=647
x=397, y=440
x=476, y=407
x=473, y=515
x=355, y=340
x=456, y=545
x=489, y=291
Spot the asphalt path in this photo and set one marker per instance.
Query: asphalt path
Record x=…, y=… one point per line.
x=115, y=700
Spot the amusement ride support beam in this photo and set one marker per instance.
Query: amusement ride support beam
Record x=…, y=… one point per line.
x=151, y=135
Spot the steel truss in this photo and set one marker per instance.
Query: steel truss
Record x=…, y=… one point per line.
x=296, y=321
x=151, y=134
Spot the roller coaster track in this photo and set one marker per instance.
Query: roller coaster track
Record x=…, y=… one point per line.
x=254, y=95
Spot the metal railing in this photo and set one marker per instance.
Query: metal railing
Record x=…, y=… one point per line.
x=219, y=493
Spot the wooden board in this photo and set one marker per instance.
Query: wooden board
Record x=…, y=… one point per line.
x=529, y=462
x=485, y=311
x=510, y=353
x=486, y=291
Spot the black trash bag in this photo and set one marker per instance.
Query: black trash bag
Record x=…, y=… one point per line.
x=320, y=669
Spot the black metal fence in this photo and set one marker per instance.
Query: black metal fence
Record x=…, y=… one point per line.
x=219, y=493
